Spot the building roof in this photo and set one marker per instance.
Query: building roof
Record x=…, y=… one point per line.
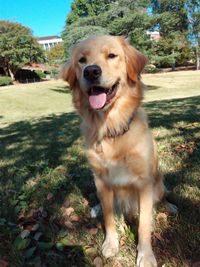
x=48, y=38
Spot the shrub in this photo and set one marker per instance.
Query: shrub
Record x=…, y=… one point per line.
x=150, y=69
x=40, y=74
x=55, y=73
x=23, y=75
x=5, y=80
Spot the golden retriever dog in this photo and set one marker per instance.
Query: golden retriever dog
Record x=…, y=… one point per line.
x=104, y=76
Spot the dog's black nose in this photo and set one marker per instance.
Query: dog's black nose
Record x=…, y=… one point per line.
x=92, y=73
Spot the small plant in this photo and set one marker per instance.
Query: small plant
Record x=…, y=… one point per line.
x=150, y=69
x=5, y=80
x=55, y=73
x=40, y=74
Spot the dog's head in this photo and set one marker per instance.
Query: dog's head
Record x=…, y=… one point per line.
x=101, y=67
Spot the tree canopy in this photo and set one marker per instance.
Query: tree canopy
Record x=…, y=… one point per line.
x=17, y=47
x=56, y=54
x=177, y=22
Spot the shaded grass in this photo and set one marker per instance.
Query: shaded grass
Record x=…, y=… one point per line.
x=176, y=126
x=42, y=155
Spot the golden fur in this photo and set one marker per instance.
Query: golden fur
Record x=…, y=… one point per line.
x=119, y=144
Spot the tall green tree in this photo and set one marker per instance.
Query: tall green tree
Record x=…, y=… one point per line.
x=174, y=20
x=170, y=18
x=193, y=8
x=79, y=30
x=85, y=8
x=17, y=47
x=56, y=54
x=124, y=17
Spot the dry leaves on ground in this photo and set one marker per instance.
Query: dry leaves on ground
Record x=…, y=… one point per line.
x=98, y=262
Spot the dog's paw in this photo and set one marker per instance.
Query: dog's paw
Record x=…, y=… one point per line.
x=146, y=260
x=110, y=247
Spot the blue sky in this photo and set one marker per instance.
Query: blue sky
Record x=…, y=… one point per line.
x=44, y=17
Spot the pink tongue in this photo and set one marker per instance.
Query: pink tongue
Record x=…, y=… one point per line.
x=97, y=101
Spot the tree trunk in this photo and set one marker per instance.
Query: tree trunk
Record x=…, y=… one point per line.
x=197, y=53
x=173, y=64
x=11, y=74
x=5, y=70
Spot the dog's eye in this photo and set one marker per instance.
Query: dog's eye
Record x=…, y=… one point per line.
x=82, y=60
x=111, y=55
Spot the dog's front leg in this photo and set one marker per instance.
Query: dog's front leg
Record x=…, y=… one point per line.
x=111, y=245
x=145, y=256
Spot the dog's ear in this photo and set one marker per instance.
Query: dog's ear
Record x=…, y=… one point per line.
x=68, y=74
x=135, y=60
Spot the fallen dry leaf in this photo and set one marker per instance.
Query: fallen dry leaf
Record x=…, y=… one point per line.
x=69, y=225
x=21, y=216
x=49, y=196
x=68, y=211
x=85, y=202
x=91, y=251
x=188, y=148
x=123, y=241
x=93, y=230
x=74, y=218
x=66, y=203
x=117, y=264
x=32, y=213
x=99, y=225
x=98, y=262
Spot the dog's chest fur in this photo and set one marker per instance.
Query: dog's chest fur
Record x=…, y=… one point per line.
x=116, y=165
x=119, y=174
x=124, y=160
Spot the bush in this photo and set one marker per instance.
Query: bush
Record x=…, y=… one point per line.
x=24, y=75
x=40, y=74
x=150, y=69
x=5, y=80
x=55, y=73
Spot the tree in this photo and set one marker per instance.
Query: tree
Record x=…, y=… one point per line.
x=85, y=8
x=135, y=19
x=56, y=54
x=170, y=18
x=75, y=34
x=81, y=29
x=17, y=47
x=107, y=17
x=193, y=7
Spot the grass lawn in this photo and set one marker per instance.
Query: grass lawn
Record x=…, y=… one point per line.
x=47, y=189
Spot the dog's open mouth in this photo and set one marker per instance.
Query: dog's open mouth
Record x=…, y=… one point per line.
x=100, y=96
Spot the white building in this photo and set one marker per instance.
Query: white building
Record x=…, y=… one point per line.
x=49, y=41
x=154, y=35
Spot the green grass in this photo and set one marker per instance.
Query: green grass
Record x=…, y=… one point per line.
x=44, y=174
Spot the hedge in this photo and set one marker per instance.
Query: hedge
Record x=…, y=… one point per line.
x=5, y=80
